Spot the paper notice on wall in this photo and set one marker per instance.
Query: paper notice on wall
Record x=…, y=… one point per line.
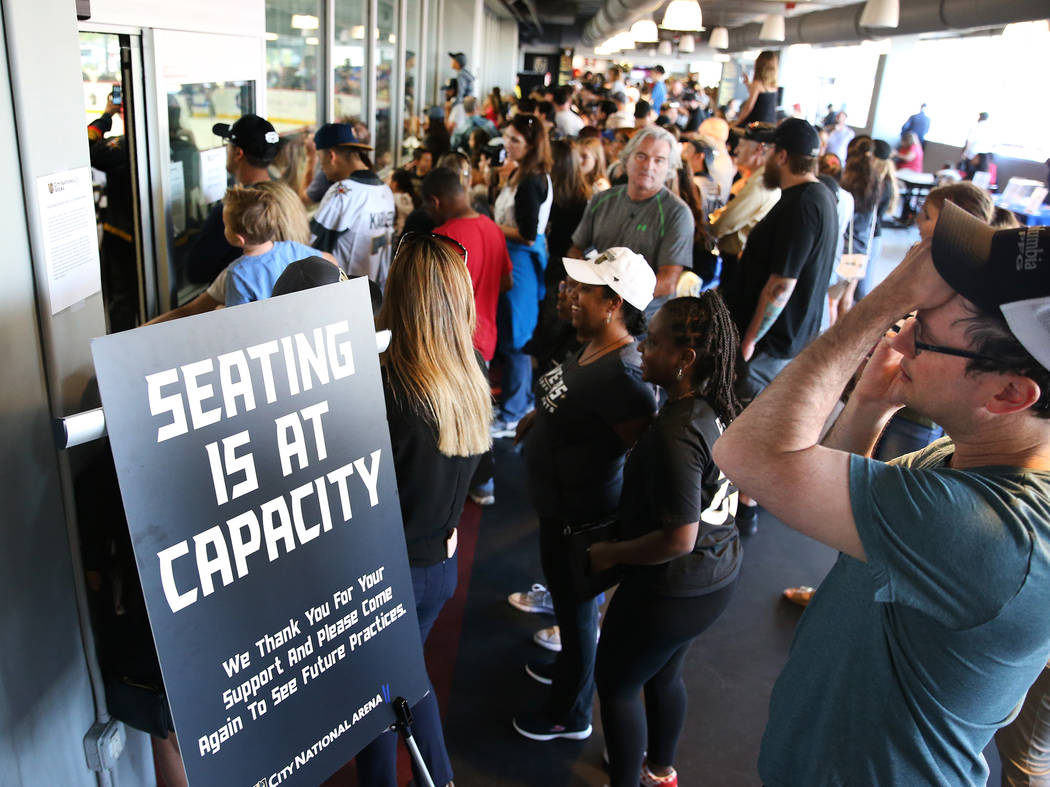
x=213, y=174
x=67, y=218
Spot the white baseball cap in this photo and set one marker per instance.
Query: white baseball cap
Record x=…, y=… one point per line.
x=629, y=275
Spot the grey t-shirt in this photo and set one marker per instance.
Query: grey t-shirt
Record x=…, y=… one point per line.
x=904, y=666
x=659, y=228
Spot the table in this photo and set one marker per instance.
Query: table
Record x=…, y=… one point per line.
x=1040, y=218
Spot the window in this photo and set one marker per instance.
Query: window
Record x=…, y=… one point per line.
x=348, y=59
x=965, y=76
x=293, y=51
x=843, y=76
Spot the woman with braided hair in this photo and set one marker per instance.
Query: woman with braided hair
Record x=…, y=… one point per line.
x=680, y=549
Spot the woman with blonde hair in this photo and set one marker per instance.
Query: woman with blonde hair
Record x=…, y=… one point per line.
x=439, y=410
x=592, y=163
x=761, y=104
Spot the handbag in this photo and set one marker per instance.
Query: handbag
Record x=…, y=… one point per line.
x=854, y=266
x=578, y=539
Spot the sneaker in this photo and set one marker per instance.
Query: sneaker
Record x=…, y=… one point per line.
x=535, y=726
x=482, y=497
x=540, y=671
x=501, y=428
x=536, y=600
x=650, y=779
x=549, y=638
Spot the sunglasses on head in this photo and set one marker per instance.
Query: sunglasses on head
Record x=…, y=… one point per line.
x=416, y=236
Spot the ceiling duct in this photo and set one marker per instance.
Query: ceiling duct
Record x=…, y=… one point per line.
x=614, y=16
x=842, y=25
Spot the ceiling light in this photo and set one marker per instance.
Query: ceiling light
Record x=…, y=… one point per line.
x=357, y=31
x=644, y=31
x=687, y=44
x=312, y=41
x=881, y=13
x=305, y=22
x=773, y=28
x=624, y=41
x=665, y=48
x=719, y=38
x=683, y=15
x=271, y=36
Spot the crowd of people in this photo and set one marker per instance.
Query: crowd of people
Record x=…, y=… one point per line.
x=636, y=270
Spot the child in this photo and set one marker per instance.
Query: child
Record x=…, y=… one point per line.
x=253, y=219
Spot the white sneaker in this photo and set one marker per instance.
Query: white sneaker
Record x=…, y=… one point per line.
x=536, y=600
x=549, y=638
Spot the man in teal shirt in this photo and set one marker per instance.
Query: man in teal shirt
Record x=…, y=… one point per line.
x=933, y=623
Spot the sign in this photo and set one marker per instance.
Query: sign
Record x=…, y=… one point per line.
x=70, y=234
x=254, y=461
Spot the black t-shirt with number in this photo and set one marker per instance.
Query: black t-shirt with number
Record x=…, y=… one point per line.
x=795, y=240
x=573, y=456
x=670, y=480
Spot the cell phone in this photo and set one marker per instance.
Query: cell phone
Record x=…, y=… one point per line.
x=117, y=96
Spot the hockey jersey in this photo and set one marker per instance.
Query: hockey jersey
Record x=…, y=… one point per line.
x=355, y=222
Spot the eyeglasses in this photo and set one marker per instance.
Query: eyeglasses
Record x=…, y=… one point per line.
x=415, y=236
x=936, y=348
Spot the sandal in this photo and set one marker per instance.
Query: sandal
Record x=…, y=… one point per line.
x=800, y=595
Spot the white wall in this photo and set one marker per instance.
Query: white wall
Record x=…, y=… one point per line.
x=232, y=17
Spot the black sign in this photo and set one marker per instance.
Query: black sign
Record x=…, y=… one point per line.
x=255, y=467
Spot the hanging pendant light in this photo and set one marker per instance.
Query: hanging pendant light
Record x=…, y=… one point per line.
x=719, y=38
x=683, y=15
x=644, y=32
x=772, y=28
x=687, y=44
x=665, y=48
x=624, y=41
x=881, y=13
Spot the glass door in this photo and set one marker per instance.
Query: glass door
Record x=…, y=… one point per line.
x=220, y=83
x=110, y=66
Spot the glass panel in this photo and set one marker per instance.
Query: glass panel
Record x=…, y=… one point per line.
x=348, y=59
x=118, y=231
x=197, y=175
x=975, y=84
x=293, y=52
x=413, y=82
x=386, y=80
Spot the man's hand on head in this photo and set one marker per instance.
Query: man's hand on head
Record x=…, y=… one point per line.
x=916, y=280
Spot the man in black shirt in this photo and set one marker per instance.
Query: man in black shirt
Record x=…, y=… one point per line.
x=786, y=264
x=251, y=145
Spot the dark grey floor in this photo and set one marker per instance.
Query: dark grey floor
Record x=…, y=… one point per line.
x=729, y=671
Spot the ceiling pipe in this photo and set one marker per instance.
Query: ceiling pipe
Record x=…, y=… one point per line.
x=616, y=15
x=842, y=25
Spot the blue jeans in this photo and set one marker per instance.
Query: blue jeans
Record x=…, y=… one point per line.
x=516, y=319
x=572, y=692
x=903, y=436
x=377, y=763
x=757, y=374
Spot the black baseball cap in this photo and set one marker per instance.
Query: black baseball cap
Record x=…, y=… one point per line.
x=1004, y=271
x=793, y=135
x=759, y=132
x=306, y=273
x=331, y=135
x=452, y=84
x=459, y=57
x=254, y=135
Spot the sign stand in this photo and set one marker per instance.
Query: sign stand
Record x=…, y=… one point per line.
x=404, y=727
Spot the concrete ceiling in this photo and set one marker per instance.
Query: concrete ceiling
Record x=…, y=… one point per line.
x=574, y=14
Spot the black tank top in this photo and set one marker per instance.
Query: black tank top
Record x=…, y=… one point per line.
x=764, y=110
